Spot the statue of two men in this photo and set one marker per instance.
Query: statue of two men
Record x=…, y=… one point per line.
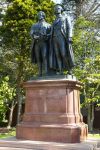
x=52, y=45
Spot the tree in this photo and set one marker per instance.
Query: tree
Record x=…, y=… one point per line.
x=87, y=8
x=19, y=17
x=7, y=94
x=86, y=47
x=85, y=15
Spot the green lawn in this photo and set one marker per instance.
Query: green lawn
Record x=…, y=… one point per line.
x=11, y=132
x=94, y=136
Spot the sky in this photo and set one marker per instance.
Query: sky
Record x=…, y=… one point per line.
x=57, y=1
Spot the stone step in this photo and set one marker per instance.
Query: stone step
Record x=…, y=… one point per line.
x=9, y=148
x=15, y=144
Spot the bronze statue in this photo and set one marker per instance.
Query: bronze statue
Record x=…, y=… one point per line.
x=61, y=53
x=40, y=33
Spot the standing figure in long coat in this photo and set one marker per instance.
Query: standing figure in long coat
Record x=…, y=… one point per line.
x=61, y=54
x=40, y=33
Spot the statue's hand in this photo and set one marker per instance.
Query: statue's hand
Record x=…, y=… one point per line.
x=43, y=37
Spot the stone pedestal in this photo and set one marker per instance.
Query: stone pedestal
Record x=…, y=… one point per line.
x=52, y=112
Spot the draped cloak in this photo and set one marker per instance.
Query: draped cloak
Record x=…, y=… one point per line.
x=63, y=26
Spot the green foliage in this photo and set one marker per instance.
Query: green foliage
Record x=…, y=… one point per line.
x=7, y=93
x=17, y=22
x=19, y=17
x=87, y=52
x=15, y=45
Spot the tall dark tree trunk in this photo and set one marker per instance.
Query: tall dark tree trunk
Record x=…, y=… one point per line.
x=19, y=100
x=90, y=116
x=19, y=82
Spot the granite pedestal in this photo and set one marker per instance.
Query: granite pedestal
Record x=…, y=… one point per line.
x=52, y=112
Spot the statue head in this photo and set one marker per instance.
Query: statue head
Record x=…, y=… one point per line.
x=58, y=9
x=41, y=15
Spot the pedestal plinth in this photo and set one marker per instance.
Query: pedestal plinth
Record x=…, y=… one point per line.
x=52, y=112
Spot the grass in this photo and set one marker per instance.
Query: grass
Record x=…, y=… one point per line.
x=10, y=133
x=97, y=135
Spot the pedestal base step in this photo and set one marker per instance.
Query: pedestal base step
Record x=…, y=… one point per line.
x=52, y=132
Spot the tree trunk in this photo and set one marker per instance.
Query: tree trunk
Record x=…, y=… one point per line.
x=11, y=115
x=78, y=8
x=19, y=81
x=19, y=99
x=90, y=116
